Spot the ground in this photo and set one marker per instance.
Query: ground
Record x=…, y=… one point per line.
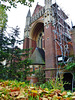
x=15, y=90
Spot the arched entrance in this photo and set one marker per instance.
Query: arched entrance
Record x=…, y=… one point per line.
x=37, y=34
x=67, y=77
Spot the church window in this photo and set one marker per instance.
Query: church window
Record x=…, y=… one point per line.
x=39, y=42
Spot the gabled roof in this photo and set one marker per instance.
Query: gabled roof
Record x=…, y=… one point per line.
x=37, y=9
x=38, y=57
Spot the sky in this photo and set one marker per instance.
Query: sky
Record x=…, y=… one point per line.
x=17, y=16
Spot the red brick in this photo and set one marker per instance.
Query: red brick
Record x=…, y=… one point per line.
x=73, y=41
x=49, y=49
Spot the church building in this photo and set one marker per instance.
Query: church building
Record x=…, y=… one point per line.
x=48, y=33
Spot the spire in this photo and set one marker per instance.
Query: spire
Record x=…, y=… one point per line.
x=29, y=13
x=28, y=18
x=37, y=3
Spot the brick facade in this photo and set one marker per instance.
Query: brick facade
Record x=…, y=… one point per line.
x=26, y=43
x=42, y=21
x=73, y=39
x=33, y=45
x=49, y=49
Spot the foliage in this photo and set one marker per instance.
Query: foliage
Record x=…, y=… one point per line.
x=15, y=2
x=14, y=90
x=61, y=64
x=7, y=44
x=53, y=84
x=17, y=67
x=70, y=66
x=3, y=18
x=3, y=47
x=40, y=76
x=6, y=5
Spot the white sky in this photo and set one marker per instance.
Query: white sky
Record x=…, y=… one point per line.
x=17, y=16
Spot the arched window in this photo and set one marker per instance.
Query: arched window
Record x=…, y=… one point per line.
x=39, y=41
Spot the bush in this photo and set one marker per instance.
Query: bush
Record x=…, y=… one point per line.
x=53, y=84
x=40, y=76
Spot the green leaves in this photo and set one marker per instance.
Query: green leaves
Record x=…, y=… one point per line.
x=15, y=2
x=40, y=76
x=16, y=67
x=3, y=17
x=3, y=55
x=70, y=66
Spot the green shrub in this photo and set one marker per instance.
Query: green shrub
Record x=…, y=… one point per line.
x=40, y=76
x=53, y=84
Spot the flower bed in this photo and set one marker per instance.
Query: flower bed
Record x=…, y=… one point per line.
x=14, y=90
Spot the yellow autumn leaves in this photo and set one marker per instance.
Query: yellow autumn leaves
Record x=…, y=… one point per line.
x=14, y=90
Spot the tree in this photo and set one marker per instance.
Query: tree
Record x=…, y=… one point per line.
x=17, y=67
x=4, y=7
x=3, y=18
x=3, y=39
x=3, y=55
x=15, y=2
x=8, y=51
x=3, y=47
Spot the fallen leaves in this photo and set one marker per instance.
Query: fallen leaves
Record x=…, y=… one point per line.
x=12, y=90
x=14, y=94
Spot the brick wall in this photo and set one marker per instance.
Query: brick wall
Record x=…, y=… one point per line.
x=73, y=39
x=49, y=49
x=71, y=52
x=38, y=7
x=33, y=45
x=26, y=43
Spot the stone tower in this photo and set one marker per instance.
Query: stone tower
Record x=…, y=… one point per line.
x=49, y=39
x=26, y=31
